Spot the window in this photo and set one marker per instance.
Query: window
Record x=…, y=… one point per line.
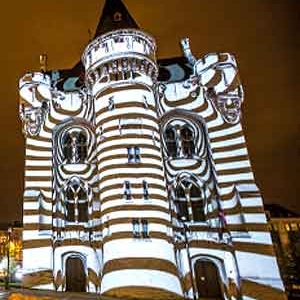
x=76, y=202
x=111, y=103
x=127, y=192
x=180, y=140
x=82, y=206
x=70, y=211
x=188, y=194
x=187, y=140
x=198, y=211
x=197, y=204
x=145, y=232
x=68, y=151
x=146, y=106
x=130, y=154
x=81, y=147
x=136, y=228
x=75, y=147
x=170, y=137
x=145, y=190
x=137, y=154
x=134, y=155
x=181, y=204
x=140, y=228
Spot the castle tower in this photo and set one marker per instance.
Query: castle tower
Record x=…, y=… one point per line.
x=121, y=73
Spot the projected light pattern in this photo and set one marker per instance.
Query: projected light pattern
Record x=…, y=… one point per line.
x=138, y=182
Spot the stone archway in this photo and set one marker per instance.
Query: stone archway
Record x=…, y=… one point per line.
x=208, y=280
x=75, y=274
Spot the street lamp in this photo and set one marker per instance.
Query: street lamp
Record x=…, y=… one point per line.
x=9, y=231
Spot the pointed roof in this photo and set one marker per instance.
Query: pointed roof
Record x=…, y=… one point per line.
x=114, y=16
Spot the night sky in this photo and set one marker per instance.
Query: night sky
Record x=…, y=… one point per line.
x=263, y=35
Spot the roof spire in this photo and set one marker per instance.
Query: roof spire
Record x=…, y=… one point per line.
x=114, y=16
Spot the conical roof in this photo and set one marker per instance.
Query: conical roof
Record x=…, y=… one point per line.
x=114, y=16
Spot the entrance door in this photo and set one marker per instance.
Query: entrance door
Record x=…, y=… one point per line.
x=208, y=280
x=75, y=276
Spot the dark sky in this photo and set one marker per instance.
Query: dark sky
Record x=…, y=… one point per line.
x=263, y=34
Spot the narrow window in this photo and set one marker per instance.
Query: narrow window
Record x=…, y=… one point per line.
x=81, y=146
x=83, y=211
x=82, y=205
x=137, y=154
x=197, y=204
x=145, y=190
x=145, y=102
x=67, y=148
x=127, y=192
x=187, y=139
x=170, y=137
x=70, y=211
x=181, y=205
x=136, y=228
x=145, y=229
x=198, y=211
x=131, y=155
x=111, y=103
x=182, y=210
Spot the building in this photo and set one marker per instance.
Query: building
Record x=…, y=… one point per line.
x=137, y=176
x=10, y=250
x=284, y=226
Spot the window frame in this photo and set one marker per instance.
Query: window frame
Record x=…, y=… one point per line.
x=133, y=155
x=74, y=149
x=77, y=197
x=127, y=190
x=186, y=205
x=145, y=190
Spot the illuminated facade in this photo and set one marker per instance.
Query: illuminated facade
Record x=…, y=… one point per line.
x=137, y=176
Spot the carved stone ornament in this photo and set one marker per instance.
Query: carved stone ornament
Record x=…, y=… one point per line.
x=33, y=118
x=186, y=49
x=229, y=104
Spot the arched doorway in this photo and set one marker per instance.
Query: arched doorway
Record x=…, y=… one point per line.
x=208, y=281
x=75, y=275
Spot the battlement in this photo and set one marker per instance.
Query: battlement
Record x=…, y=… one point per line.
x=120, y=51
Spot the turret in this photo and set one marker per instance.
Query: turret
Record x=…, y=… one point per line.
x=138, y=253
x=120, y=56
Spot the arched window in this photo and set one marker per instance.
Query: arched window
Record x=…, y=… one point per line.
x=188, y=194
x=76, y=202
x=75, y=146
x=179, y=139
